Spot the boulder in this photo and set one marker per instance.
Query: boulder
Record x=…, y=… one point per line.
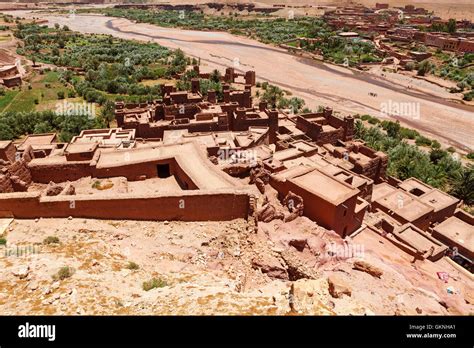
x=368, y=268
x=21, y=272
x=309, y=296
x=237, y=170
x=69, y=190
x=338, y=287
x=18, y=184
x=268, y=213
x=296, y=268
x=270, y=265
x=53, y=189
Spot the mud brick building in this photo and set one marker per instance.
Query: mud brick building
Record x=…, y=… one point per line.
x=324, y=127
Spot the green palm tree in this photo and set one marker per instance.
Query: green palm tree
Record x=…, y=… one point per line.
x=463, y=185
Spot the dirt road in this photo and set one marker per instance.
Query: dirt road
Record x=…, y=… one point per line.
x=345, y=90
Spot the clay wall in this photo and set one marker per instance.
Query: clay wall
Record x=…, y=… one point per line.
x=442, y=214
x=5, y=184
x=462, y=215
x=71, y=171
x=190, y=206
x=466, y=46
x=146, y=170
x=8, y=153
x=9, y=72
x=20, y=169
x=315, y=131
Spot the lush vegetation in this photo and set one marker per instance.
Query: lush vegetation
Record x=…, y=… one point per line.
x=436, y=167
x=15, y=124
x=449, y=27
x=265, y=29
x=458, y=69
x=93, y=68
x=107, y=66
x=276, y=98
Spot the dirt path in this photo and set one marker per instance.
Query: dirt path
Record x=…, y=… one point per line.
x=345, y=90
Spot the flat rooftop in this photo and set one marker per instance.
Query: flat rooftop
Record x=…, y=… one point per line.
x=325, y=186
x=427, y=194
x=81, y=148
x=400, y=202
x=457, y=231
x=417, y=239
x=438, y=199
x=4, y=144
x=37, y=139
x=113, y=137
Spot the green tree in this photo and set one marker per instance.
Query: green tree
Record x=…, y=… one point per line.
x=463, y=185
x=272, y=95
x=451, y=27
x=424, y=67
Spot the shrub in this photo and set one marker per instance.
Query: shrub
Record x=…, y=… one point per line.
x=451, y=149
x=408, y=133
x=422, y=141
x=63, y=273
x=102, y=186
x=410, y=66
x=435, y=144
x=436, y=155
x=374, y=120
x=132, y=265
x=424, y=67
x=51, y=240
x=60, y=95
x=154, y=283
x=3, y=241
x=470, y=155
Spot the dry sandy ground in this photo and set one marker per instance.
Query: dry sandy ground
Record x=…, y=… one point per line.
x=215, y=268
x=345, y=90
x=459, y=9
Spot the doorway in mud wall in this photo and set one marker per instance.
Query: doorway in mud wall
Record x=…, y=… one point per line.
x=163, y=170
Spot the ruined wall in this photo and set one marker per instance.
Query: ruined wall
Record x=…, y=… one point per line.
x=20, y=170
x=190, y=206
x=347, y=124
x=146, y=170
x=8, y=153
x=71, y=171
x=147, y=130
x=5, y=184
x=376, y=168
x=330, y=137
x=316, y=133
x=15, y=175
